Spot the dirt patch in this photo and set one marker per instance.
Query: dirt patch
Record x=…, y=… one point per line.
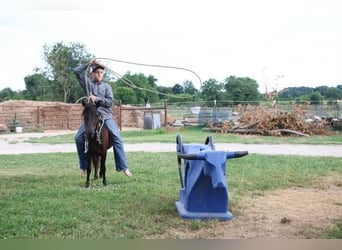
x=296, y=213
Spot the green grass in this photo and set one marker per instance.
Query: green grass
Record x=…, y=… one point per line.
x=196, y=135
x=43, y=196
x=336, y=231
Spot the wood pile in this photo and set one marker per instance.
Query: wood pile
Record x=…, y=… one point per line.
x=270, y=122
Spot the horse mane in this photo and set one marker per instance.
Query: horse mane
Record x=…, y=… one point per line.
x=90, y=115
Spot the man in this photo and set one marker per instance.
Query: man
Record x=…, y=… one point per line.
x=101, y=94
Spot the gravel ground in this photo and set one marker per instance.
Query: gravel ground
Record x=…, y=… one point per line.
x=14, y=144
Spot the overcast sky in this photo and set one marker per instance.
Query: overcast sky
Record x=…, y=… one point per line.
x=278, y=43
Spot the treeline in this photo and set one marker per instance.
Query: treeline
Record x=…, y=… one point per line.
x=55, y=81
x=314, y=95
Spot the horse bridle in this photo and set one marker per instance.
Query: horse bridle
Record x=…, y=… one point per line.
x=98, y=130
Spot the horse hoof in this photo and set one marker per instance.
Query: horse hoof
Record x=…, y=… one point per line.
x=104, y=183
x=87, y=185
x=95, y=177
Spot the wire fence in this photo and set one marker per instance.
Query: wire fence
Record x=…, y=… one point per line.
x=321, y=110
x=62, y=116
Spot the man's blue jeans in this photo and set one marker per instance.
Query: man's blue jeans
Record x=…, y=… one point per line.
x=118, y=148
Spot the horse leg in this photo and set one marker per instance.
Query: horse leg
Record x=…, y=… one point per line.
x=96, y=166
x=101, y=172
x=103, y=169
x=88, y=172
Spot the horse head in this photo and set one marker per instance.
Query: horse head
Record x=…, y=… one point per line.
x=91, y=117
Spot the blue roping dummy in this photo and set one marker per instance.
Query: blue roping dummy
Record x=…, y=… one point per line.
x=204, y=192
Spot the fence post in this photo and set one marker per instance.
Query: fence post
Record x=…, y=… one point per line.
x=165, y=112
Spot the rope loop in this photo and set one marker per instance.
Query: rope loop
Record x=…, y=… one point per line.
x=132, y=85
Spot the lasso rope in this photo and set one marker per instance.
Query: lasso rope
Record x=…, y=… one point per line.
x=132, y=85
x=83, y=97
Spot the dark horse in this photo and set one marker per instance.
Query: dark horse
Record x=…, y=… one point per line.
x=97, y=141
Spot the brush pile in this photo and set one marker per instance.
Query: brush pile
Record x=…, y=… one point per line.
x=270, y=122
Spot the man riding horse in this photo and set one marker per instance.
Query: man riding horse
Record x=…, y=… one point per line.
x=101, y=94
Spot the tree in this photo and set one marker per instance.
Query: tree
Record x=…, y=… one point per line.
x=144, y=87
x=189, y=88
x=6, y=94
x=180, y=98
x=291, y=93
x=177, y=89
x=164, y=91
x=152, y=81
x=330, y=93
x=241, y=89
x=125, y=94
x=38, y=88
x=212, y=90
x=61, y=59
x=315, y=98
